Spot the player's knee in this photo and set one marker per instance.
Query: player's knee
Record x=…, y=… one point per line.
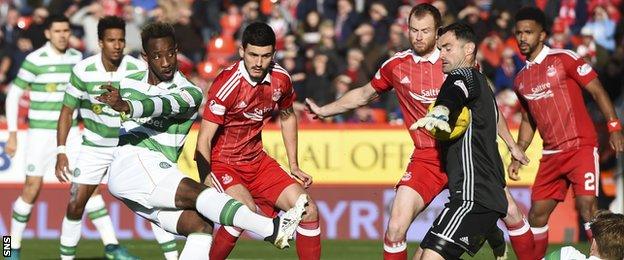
x=586, y=207
x=513, y=214
x=75, y=210
x=396, y=229
x=311, y=212
x=537, y=218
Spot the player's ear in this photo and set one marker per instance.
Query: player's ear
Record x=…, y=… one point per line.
x=542, y=36
x=101, y=44
x=144, y=56
x=241, y=51
x=46, y=32
x=470, y=48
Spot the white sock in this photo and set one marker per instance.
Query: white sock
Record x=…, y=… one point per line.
x=197, y=246
x=223, y=209
x=21, y=214
x=70, y=235
x=166, y=241
x=98, y=214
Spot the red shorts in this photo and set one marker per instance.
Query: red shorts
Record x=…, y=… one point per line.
x=424, y=174
x=558, y=171
x=264, y=179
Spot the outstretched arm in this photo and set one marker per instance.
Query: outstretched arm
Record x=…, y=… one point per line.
x=352, y=99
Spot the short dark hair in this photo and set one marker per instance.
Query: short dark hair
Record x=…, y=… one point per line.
x=608, y=231
x=110, y=22
x=258, y=34
x=156, y=30
x=55, y=18
x=462, y=32
x=532, y=14
x=421, y=10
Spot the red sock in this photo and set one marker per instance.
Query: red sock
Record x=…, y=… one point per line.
x=540, y=236
x=521, y=240
x=309, y=240
x=394, y=250
x=588, y=232
x=223, y=242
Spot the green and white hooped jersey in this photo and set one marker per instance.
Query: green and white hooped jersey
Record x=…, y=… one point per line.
x=568, y=253
x=160, y=116
x=101, y=123
x=45, y=74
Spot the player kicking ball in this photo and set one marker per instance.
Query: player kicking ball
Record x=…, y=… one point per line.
x=158, y=109
x=229, y=144
x=100, y=139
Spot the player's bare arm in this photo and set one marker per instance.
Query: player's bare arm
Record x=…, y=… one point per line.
x=62, y=130
x=525, y=136
x=352, y=99
x=517, y=153
x=288, y=123
x=207, y=131
x=606, y=107
x=113, y=99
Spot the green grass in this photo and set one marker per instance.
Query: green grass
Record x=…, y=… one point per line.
x=245, y=249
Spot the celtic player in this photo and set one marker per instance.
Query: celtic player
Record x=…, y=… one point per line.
x=100, y=137
x=45, y=73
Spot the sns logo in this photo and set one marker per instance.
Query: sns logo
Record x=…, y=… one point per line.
x=584, y=69
x=407, y=176
x=216, y=108
x=226, y=179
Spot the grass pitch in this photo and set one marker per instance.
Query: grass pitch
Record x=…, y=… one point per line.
x=245, y=249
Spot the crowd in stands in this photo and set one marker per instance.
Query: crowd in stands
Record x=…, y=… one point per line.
x=328, y=46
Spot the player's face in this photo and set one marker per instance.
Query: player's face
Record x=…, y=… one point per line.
x=454, y=53
x=257, y=60
x=58, y=35
x=422, y=34
x=161, y=57
x=530, y=36
x=113, y=44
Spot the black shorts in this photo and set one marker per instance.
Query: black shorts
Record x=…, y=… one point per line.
x=461, y=227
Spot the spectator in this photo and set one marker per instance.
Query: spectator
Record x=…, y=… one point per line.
x=501, y=24
x=397, y=41
x=374, y=53
x=309, y=29
x=506, y=72
x=595, y=54
x=378, y=18
x=10, y=30
x=346, y=20
x=358, y=75
x=35, y=32
x=603, y=28
x=447, y=18
x=188, y=34
x=88, y=17
x=471, y=16
x=318, y=82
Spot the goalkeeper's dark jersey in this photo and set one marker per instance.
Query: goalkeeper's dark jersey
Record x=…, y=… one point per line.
x=472, y=162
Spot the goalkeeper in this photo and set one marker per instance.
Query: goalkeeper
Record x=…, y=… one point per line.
x=472, y=162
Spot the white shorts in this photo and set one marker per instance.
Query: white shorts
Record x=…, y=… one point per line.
x=91, y=164
x=145, y=181
x=41, y=150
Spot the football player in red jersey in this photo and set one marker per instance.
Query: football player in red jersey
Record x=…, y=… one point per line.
x=229, y=145
x=550, y=88
x=416, y=75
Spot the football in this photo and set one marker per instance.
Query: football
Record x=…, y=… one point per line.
x=458, y=126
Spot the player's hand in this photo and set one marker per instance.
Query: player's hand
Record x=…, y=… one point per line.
x=518, y=154
x=305, y=178
x=113, y=99
x=436, y=118
x=616, y=139
x=514, y=169
x=11, y=145
x=314, y=109
x=62, y=168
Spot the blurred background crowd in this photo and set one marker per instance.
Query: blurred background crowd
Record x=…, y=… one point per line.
x=328, y=46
